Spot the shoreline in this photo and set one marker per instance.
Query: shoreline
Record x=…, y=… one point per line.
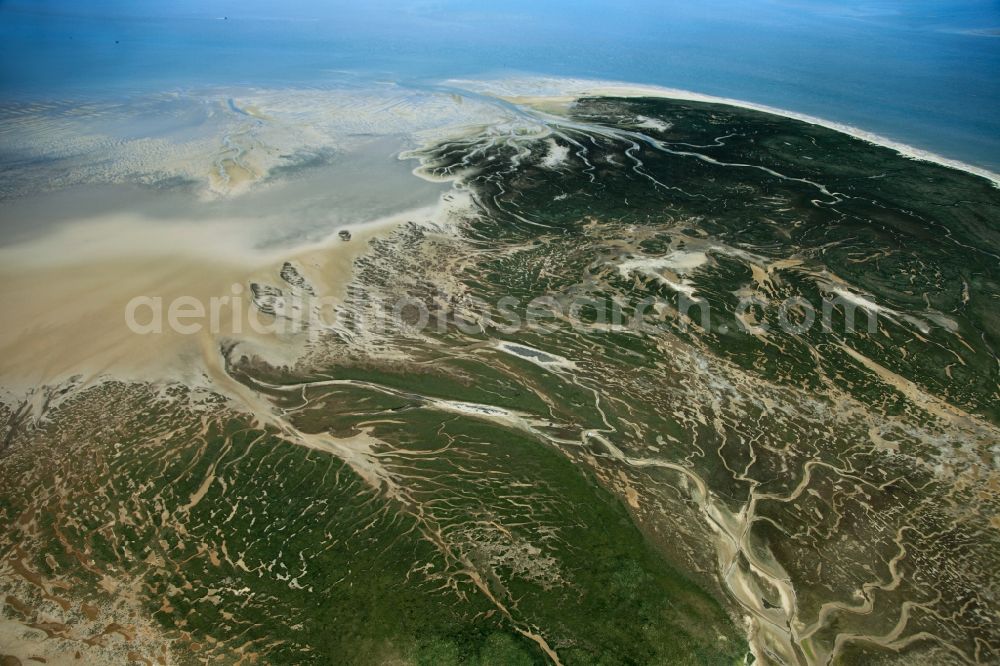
x=549, y=88
x=73, y=327
x=541, y=88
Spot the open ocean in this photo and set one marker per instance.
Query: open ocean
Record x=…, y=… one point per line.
x=925, y=73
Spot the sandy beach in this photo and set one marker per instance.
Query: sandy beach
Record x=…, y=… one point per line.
x=549, y=93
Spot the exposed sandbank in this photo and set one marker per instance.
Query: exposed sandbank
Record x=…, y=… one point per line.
x=545, y=92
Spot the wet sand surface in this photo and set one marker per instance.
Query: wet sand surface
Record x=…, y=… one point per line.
x=794, y=496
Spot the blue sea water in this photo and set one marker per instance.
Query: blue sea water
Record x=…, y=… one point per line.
x=924, y=72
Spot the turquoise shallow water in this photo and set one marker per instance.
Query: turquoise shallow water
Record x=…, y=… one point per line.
x=924, y=73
